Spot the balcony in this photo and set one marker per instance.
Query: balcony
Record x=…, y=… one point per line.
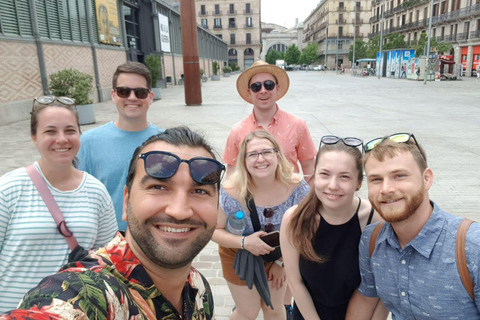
x=247, y=43
x=217, y=26
x=340, y=21
x=232, y=26
x=359, y=21
x=248, y=11
x=374, y=19
x=341, y=9
x=458, y=14
x=217, y=13
x=202, y=13
x=232, y=12
x=462, y=36
x=475, y=34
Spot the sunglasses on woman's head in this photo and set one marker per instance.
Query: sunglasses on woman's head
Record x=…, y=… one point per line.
x=348, y=141
x=124, y=92
x=46, y=100
x=396, y=137
x=163, y=165
x=257, y=86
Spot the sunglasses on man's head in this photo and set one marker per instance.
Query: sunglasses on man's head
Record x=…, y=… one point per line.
x=348, y=141
x=163, y=165
x=257, y=86
x=396, y=137
x=140, y=93
x=46, y=100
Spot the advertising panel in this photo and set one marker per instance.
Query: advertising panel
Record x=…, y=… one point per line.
x=107, y=22
x=164, y=33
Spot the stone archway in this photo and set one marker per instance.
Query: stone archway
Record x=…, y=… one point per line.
x=248, y=57
x=232, y=56
x=279, y=47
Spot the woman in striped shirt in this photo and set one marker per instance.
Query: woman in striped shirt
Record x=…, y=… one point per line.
x=30, y=245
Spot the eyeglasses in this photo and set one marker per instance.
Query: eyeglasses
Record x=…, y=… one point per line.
x=348, y=141
x=267, y=154
x=140, y=93
x=46, y=100
x=268, y=213
x=163, y=165
x=396, y=137
x=257, y=86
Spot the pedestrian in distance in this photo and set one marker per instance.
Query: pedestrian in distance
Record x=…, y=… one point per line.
x=170, y=203
x=418, y=73
x=263, y=179
x=319, y=237
x=263, y=85
x=410, y=262
x=31, y=245
x=478, y=71
x=106, y=150
x=404, y=71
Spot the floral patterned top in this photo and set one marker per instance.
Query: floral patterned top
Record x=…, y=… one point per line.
x=111, y=284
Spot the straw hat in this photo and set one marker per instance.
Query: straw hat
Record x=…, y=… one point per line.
x=262, y=67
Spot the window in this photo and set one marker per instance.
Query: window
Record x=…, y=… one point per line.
x=232, y=38
x=340, y=45
x=340, y=31
x=357, y=4
x=217, y=9
x=231, y=23
x=340, y=18
x=217, y=23
x=205, y=23
x=202, y=10
x=247, y=8
x=232, y=8
x=249, y=38
x=340, y=6
x=410, y=17
x=249, y=22
x=434, y=32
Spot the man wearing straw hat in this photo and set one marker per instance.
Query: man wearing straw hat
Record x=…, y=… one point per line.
x=263, y=85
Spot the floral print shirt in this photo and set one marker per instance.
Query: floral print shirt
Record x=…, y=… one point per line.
x=111, y=284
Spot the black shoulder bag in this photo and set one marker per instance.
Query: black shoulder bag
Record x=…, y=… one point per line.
x=277, y=253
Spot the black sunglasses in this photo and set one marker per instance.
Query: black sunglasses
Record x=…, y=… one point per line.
x=396, y=137
x=268, y=214
x=163, y=165
x=348, y=141
x=257, y=86
x=140, y=93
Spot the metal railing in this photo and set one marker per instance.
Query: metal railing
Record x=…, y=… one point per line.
x=217, y=13
x=232, y=12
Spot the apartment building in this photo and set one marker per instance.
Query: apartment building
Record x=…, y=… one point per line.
x=237, y=23
x=333, y=25
x=453, y=21
x=280, y=38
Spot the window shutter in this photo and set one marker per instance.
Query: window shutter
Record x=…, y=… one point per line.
x=8, y=17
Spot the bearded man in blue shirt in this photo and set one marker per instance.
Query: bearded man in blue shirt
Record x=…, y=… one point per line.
x=413, y=267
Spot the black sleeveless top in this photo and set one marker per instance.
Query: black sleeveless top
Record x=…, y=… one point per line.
x=332, y=283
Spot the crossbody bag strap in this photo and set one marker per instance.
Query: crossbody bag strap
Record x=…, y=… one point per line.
x=374, y=236
x=253, y=213
x=461, y=257
x=51, y=205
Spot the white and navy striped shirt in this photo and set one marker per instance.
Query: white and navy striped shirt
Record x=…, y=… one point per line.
x=30, y=245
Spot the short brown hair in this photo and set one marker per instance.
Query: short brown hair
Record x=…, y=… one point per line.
x=135, y=68
x=390, y=149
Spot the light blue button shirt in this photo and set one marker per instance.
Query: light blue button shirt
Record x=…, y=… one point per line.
x=421, y=281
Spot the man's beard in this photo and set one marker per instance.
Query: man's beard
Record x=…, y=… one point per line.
x=412, y=203
x=172, y=256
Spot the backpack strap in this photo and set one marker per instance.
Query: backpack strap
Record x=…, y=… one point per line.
x=461, y=257
x=52, y=205
x=374, y=236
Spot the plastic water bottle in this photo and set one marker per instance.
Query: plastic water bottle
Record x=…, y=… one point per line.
x=236, y=223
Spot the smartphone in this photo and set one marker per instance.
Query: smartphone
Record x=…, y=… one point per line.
x=272, y=239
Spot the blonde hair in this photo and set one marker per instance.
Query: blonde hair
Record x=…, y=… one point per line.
x=241, y=180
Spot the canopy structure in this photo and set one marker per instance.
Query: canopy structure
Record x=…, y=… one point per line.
x=366, y=60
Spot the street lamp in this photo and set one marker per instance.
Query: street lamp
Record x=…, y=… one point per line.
x=336, y=58
x=354, y=35
x=428, y=43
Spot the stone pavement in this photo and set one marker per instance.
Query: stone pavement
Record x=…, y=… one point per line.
x=443, y=115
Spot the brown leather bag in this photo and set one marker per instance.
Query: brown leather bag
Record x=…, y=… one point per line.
x=459, y=250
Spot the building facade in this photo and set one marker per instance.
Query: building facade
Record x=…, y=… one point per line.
x=333, y=25
x=237, y=23
x=453, y=21
x=279, y=38
x=41, y=37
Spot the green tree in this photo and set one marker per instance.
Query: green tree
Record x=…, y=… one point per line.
x=373, y=46
x=360, y=50
x=395, y=41
x=272, y=56
x=309, y=54
x=292, y=55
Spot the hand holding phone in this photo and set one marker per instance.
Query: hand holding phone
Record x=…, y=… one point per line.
x=272, y=239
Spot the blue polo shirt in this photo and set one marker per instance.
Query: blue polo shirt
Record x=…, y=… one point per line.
x=421, y=281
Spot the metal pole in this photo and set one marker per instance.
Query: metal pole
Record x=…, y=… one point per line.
x=354, y=35
x=428, y=43
x=336, y=58
x=381, y=43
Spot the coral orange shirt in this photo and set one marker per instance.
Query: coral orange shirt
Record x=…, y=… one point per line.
x=290, y=131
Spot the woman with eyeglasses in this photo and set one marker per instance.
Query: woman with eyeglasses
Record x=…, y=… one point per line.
x=320, y=236
x=264, y=178
x=31, y=246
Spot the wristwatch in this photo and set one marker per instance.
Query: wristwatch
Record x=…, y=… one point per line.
x=280, y=263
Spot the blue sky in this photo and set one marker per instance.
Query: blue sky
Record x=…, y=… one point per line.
x=284, y=12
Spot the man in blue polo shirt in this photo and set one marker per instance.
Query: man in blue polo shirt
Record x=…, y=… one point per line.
x=413, y=268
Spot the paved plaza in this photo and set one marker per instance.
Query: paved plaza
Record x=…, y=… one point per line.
x=444, y=116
